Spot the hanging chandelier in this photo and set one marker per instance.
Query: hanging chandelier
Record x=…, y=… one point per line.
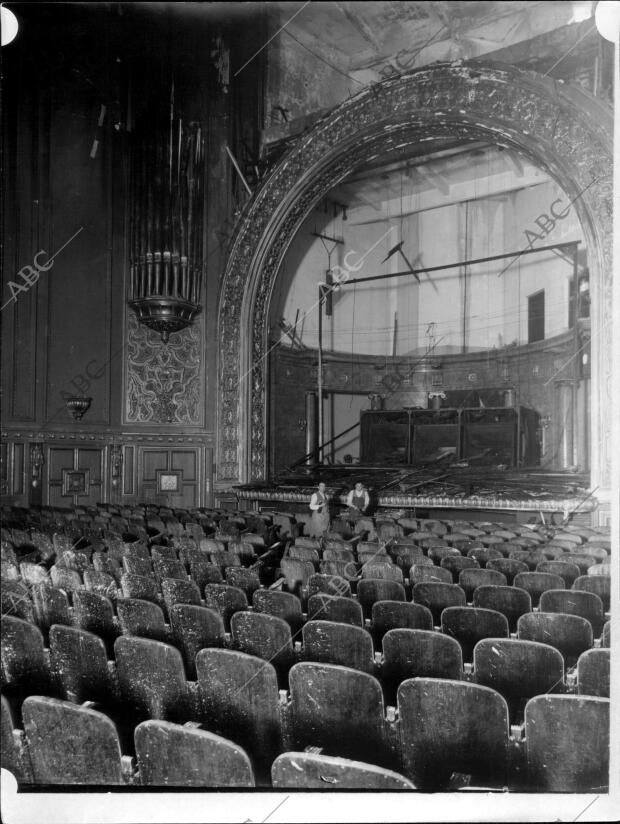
x=166, y=223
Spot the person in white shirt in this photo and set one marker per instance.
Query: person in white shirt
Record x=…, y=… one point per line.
x=319, y=522
x=357, y=501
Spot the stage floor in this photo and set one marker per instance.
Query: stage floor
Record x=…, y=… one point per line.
x=437, y=488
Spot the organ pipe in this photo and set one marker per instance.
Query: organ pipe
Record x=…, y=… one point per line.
x=167, y=193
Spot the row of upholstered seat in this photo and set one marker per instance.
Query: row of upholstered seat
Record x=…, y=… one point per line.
x=442, y=728
x=77, y=662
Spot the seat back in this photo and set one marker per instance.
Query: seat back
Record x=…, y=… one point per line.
x=203, y=572
x=68, y=744
x=371, y=590
x=338, y=709
x=79, y=664
x=471, y=579
x=140, y=586
x=330, y=642
x=387, y=615
x=568, y=572
x=413, y=653
x=508, y=567
x=151, y=679
x=137, y=566
x=16, y=601
x=142, y=618
x=518, y=670
x=266, y=637
x=582, y=560
x=421, y=572
x=174, y=756
x=170, y=568
x=385, y=571
x=438, y=596
x=452, y=726
x=194, y=628
x=593, y=669
x=575, y=602
x=176, y=591
x=51, y=606
x=468, y=625
x=307, y=771
x=15, y=757
x=606, y=635
x=329, y=585
x=25, y=669
x=455, y=564
x=537, y=582
x=438, y=553
x=323, y=607
x=569, y=634
x=598, y=584
x=239, y=699
x=94, y=613
x=247, y=580
x=283, y=605
x=567, y=743
x=303, y=553
x=297, y=573
x=510, y=601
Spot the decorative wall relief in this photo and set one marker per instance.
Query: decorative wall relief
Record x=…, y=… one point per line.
x=163, y=381
x=563, y=129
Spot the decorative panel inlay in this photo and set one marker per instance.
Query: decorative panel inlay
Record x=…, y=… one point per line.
x=163, y=380
x=562, y=129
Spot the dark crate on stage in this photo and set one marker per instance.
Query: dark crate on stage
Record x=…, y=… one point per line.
x=433, y=430
x=491, y=435
x=385, y=436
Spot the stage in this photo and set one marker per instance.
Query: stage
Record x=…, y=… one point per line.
x=434, y=490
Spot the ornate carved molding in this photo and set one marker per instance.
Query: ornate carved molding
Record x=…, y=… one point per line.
x=163, y=383
x=564, y=130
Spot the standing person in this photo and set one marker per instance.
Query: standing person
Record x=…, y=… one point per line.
x=319, y=523
x=357, y=501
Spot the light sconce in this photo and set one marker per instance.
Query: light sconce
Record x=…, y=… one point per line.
x=302, y=423
x=116, y=463
x=77, y=407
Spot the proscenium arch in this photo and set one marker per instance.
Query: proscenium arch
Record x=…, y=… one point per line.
x=564, y=130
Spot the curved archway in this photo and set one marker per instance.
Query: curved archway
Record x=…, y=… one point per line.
x=564, y=130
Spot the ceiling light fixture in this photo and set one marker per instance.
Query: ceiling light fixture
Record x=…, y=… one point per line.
x=9, y=25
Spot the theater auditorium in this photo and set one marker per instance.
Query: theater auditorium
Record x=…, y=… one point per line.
x=311, y=377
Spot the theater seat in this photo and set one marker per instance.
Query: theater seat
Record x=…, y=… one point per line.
x=598, y=584
x=171, y=755
x=340, y=710
x=518, y=670
x=68, y=744
x=569, y=634
x=329, y=642
x=471, y=579
x=194, y=628
x=239, y=701
x=575, y=602
x=593, y=673
x=151, y=679
x=283, y=605
x=79, y=665
x=266, y=637
x=438, y=596
x=411, y=653
x=370, y=590
x=567, y=743
x=323, y=607
x=306, y=771
x=142, y=618
x=537, y=582
x=510, y=601
x=468, y=625
x=452, y=726
x=15, y=757
x=387, y=615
